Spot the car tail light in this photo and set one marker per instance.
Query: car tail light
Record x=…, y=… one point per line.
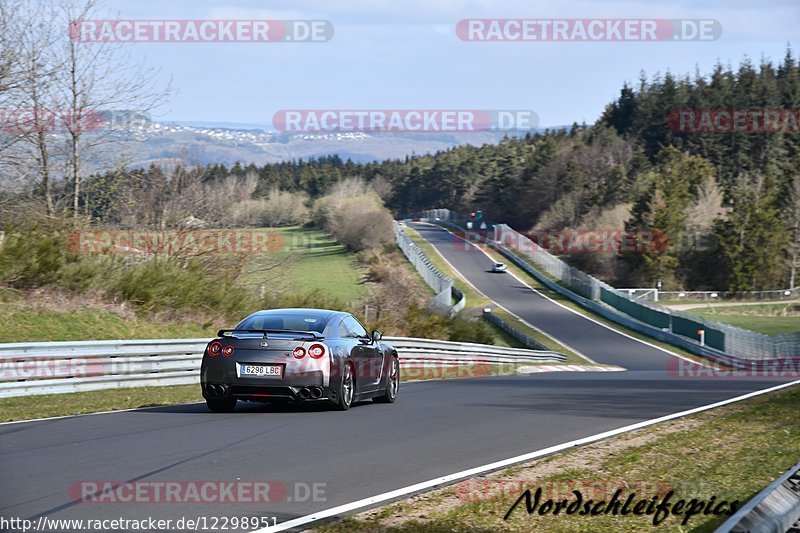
x=214, y=348
x=299, y=352
x=227, y=351
x=316, y=351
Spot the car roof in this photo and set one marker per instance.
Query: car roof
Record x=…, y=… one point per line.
x=299, y=311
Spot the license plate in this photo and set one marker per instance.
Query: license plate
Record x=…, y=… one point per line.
x=261, y=370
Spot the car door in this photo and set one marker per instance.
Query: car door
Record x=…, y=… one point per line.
x=369, y=371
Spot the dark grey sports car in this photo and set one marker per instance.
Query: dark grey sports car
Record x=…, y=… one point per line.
x=282, y=355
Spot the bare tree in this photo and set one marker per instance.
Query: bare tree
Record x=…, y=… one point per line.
x=10, y=74
x=78, y=87
x=94, y=80
x=36, y=36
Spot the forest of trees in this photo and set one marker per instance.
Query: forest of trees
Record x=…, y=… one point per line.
x=728, y=202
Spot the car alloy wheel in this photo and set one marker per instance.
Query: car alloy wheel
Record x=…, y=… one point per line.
x=347, y=385
x=394, y=379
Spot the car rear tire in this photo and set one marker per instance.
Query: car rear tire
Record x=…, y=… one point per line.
x=347, y=390
x=221, y=405
x=392, y=384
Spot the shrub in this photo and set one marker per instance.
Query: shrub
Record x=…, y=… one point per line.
x=280, y=208
x=355, y=215
x=423, y=323
x=164, y=284
x=31, y=256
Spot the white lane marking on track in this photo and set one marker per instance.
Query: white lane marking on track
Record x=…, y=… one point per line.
x=430, y=484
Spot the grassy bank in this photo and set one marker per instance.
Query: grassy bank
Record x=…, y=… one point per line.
x=309, y=260
x=771, y=319
x=25, y=324
x=30, y=407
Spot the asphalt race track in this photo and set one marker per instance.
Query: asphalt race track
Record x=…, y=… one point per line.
x=435, y=428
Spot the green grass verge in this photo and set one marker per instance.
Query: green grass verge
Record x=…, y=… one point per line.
x=732, y=452
x=765, y=319
x=30, y=407
x=41, y=325
x=309, y=260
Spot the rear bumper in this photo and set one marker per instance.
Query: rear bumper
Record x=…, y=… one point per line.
x=266, y=393
x=305, y=372
x=300, y=380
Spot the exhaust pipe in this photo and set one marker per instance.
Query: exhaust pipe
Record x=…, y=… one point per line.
x=304, y=393
x=216, y=390
x=316, y=392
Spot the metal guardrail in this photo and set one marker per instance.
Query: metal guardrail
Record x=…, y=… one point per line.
x=441, y=284
x=774, y=509
x=511, y=330
x=63, y=367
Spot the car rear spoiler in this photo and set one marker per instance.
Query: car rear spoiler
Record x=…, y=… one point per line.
x=312, y=334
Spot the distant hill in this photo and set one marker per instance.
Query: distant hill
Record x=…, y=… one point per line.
x=226, y=143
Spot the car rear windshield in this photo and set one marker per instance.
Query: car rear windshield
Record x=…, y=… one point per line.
x=286, y=322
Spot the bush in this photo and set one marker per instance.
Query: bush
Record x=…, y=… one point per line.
x=354, y=215
x=32, y=256
x=280, y=208
x=470, y=330
x=164, y=284
x=423, y=323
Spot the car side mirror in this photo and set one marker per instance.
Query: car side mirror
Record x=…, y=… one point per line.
x=376, y=335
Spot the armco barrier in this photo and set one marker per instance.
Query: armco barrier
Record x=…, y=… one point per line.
x=514, y=332
x=776, y=508
x=62, y=367
x=442, y=285
x=723, y=343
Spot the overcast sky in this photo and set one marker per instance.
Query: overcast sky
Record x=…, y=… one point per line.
x=406, y=55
